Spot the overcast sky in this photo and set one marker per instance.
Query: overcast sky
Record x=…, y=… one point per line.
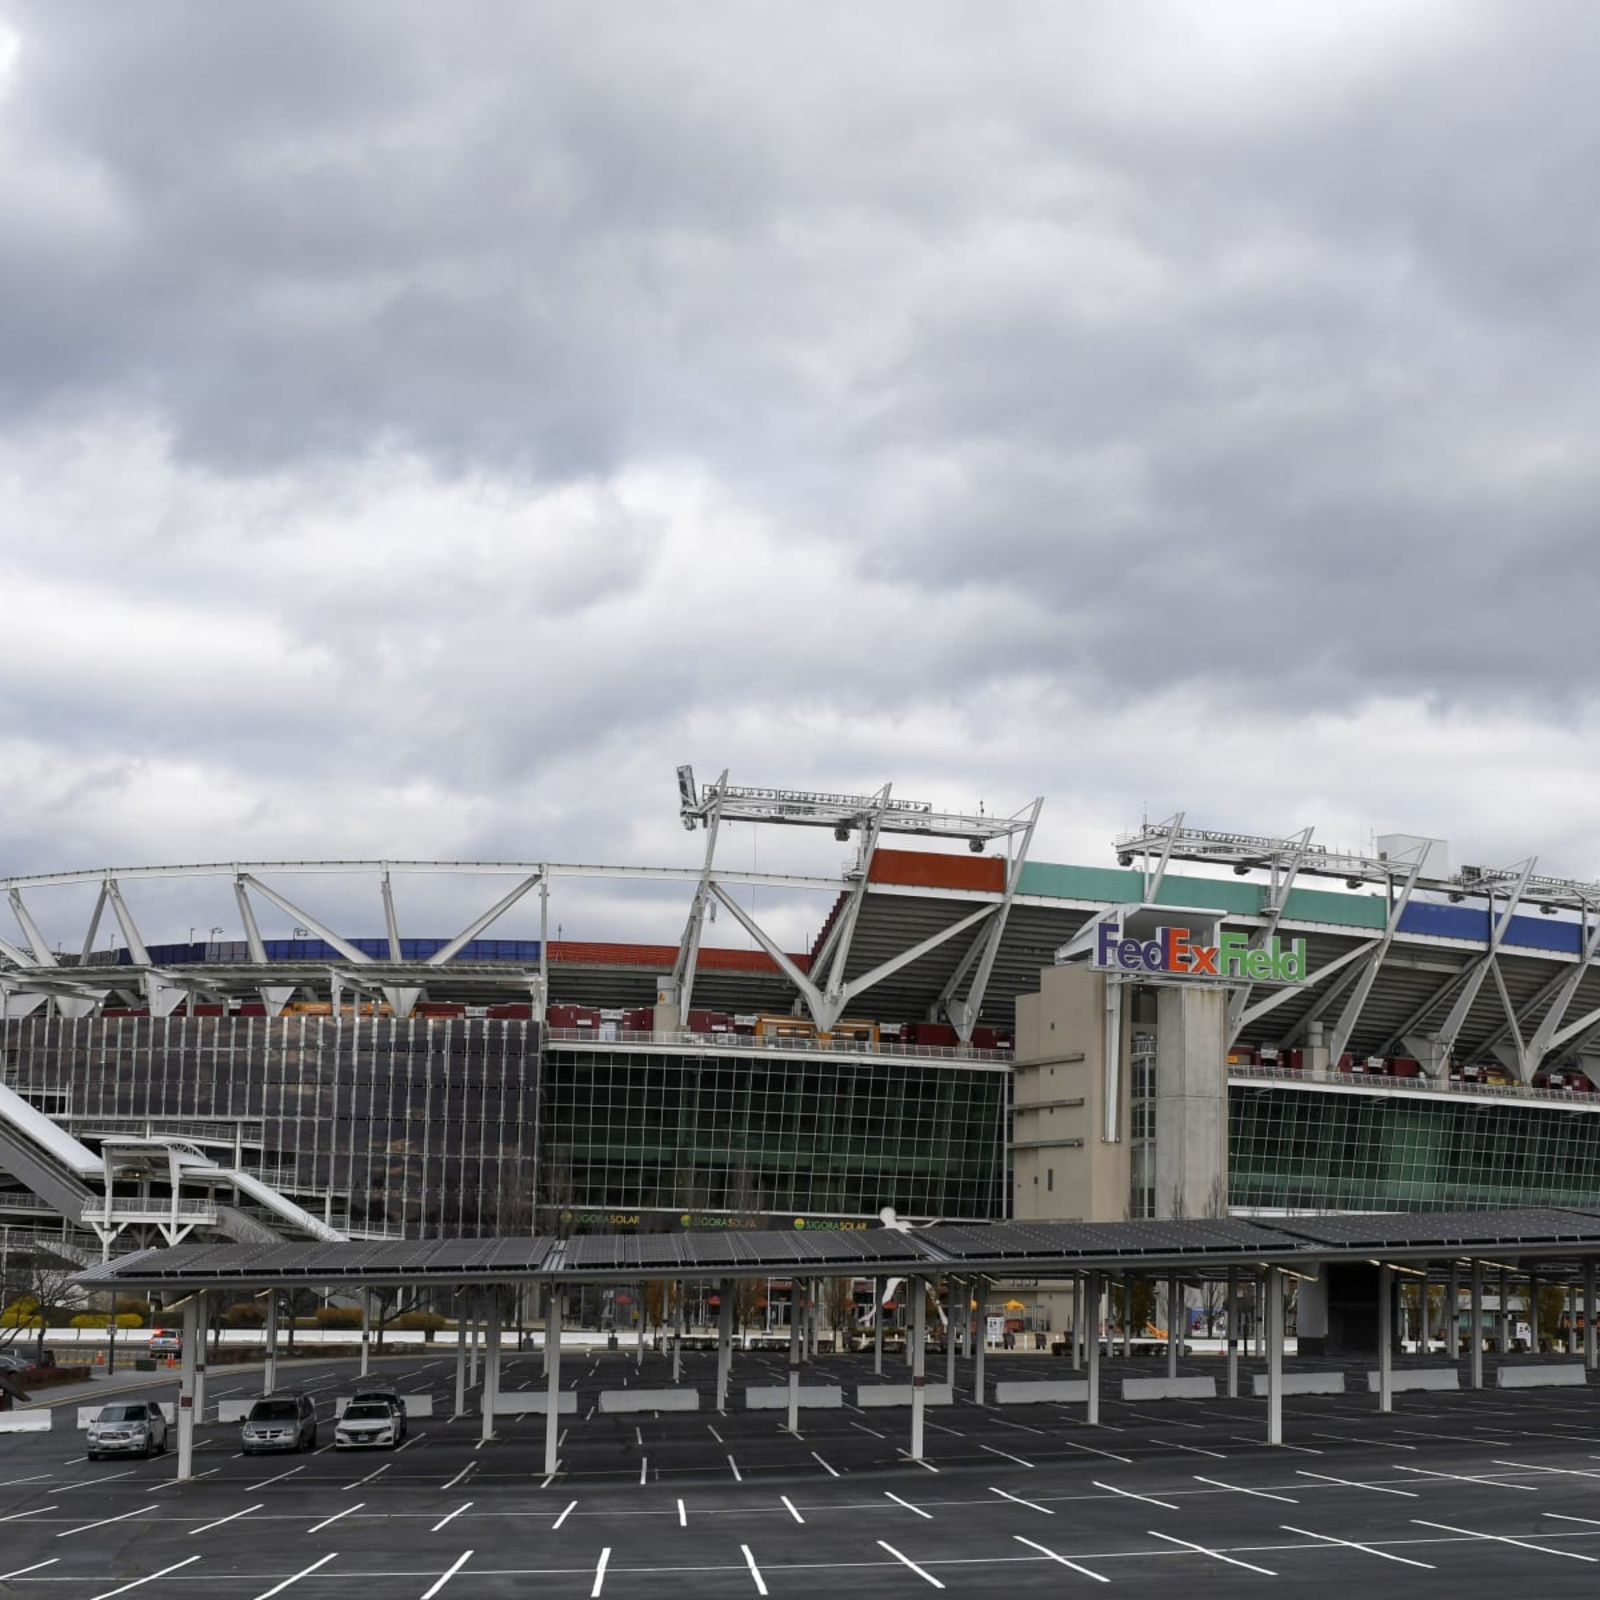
x=424, y=425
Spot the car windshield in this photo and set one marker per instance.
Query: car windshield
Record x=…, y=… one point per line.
x=122, y=1414
x=273, y=1411
x=372, y=1410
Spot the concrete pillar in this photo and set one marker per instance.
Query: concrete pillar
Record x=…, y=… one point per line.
x=1092, y=1416
x=366, y=1331
x=552, y=1370
x=1453, y=1312
x=919, y=1378
x=269, y=1369
x=794, y=1373
x=491, y=1365
x=724, y=1342
x=186, y=1370
x=1424, y=1315
x=1475, y=1315
x=472, y=1344
x=1175, y=1315
x=1233, y=1333
x=1385, y=1337
x=1274, y=1334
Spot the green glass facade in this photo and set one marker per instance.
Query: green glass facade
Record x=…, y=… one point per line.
x=1301, y=1150
x=830, y=1134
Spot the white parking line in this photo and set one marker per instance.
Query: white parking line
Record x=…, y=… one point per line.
x=600, y=1573
x=444, y=1578
x=1350, y=1483
x=1495, y=1480
x=1166, y=1505
x=865, y=1429
x=1110, y=1455
x=755, y=1571
x=1044, y=1550
x=234, y=1517
x=279, y=1479
x=370, y=1476
x=738, y=1477
x=105, y=1522
x=1237, y=1488
x=1193, y=1449
x=305, y=1572
x=1355, y=1438
x=94, y=1483
x=336, y=1516
x=563, y=1517
x=17, y=1572
x=106, y=1594
x=907, y=1561
x=1299, y=1449
x=790, y=1505
x=17, y=1516
x=644, y=1470
x=908, y=1505
x=1016, y=1499
x=1504, y=1538
x=1200, y=1549
x=824, y=1465
x=1565, y=1472
x=470, y=1466
x=38, y=1477
x=1366, y=1549
x=1006, y=1453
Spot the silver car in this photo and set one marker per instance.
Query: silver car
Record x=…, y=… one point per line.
x=135, y=1427
x=280, y=1422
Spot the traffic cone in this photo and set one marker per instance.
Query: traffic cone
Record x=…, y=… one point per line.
x=99, y=1358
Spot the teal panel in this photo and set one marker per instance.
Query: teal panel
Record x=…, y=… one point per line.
x=1110, y=884
x=1216, y=894
x=1345, y=910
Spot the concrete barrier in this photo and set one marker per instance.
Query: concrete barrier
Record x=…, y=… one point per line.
x=899, y=1394
x=1061, y=1391
x=535, y=1403
x=1169, y=1388
x=417, y=1405
x=812, y=1397
x=1417, y=1378
x=40, y=1421
x=1300, y=1383
x=87, y=1414
x=612, y=1400
x=1566, y=1375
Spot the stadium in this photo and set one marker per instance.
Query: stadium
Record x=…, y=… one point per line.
x=963, y=1039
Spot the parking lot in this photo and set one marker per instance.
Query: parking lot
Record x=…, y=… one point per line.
x=1481, y=1492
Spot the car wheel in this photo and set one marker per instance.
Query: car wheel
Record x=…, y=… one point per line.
x=93, y=1455
x=149, y=1448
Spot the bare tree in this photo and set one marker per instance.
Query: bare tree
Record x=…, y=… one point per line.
x=37, y=1293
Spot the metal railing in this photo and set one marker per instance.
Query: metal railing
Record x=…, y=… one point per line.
x=1378, y=1082
x=745, y=1042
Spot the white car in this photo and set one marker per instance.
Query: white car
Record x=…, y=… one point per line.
x=367, y=1424
x=135, y=1427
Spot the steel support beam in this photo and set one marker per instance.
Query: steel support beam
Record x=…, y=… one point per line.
x=1351, y=1015
x=1272, y=914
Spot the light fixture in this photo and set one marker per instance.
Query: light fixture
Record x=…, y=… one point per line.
x=975, y=846
x=1124, y=861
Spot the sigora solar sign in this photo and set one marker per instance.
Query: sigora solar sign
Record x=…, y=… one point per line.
x=1174, y=953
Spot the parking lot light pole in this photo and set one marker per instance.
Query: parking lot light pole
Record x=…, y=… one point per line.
x=552, y=1347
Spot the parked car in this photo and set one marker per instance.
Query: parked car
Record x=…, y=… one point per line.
x=370, y=1424
x=132, y=1427
x=15, y=1361
x=384, y=1394
x=166, y=1341
x=280, y=1422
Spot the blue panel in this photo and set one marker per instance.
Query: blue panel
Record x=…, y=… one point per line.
x=1446, y=922
x=1545, y=933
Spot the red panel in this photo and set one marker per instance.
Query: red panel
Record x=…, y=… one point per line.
x=924, y=869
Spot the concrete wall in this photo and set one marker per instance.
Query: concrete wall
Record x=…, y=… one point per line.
x=1191, y=1101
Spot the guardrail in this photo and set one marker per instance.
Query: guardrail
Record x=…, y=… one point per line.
x=1378, y=1082
x=747, y=1042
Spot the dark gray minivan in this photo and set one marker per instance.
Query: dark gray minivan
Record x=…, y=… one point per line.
x=280, y=1422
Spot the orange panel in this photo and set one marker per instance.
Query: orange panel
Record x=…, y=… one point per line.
x=924, y=869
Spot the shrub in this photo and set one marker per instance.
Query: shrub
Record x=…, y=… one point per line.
x=138, y=1310
x=245, y=1314
x=420, y=1322
x=338, y=1317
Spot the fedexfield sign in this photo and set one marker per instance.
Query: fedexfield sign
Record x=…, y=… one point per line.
x=1174, y=954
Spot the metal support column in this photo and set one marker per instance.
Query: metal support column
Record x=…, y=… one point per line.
x=186, y=1412
x=1503, y=1320
x=978, y=1332
x=1077, y=1322
x=724, y=1342
x=463, y=1325
x=491, y=1365
x=1274, y=1356
x=1588, y=1314
x=794, y=1368
x=1453, y=1313
x=1174, y=1325
x=1385, y=1337
x=677, y=1335
x=952, y=1288
x=919, y=1375
x=1092, y=1414
x=1533, y=1313
x=1475, y=1341
x=269, y=1368
x=202, y=1313
x=878, y=1292
x=366, y=1331
x=552, y=1387
x=1233, y=1333
x=474, y=1317
x=1424, y=1315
